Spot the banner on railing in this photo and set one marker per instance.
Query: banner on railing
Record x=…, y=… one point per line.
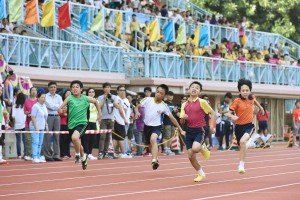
x=142, y=18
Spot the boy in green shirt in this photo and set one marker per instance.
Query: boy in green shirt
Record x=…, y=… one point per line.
x=78, y=106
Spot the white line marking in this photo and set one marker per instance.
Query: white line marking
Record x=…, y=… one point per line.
x=144, y=180
x=185, y=186
x=110, y=168
x=215, y=154
x=249, y=191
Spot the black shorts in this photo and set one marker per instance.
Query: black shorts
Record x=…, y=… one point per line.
x=120, y=130
x=149, y=130
x=263, y=125
x=194, y=135
x=240, y=130
x=81, y=128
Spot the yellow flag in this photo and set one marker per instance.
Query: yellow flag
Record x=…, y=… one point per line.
x=181, y=36
x=196, y=39
x=118, y=24
x=48, y=14
x=98, y=23
x=154, y=31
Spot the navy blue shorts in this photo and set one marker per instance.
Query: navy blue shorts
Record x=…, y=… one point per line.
x=193, y=135
x=263, y=125
x=240, y=130
x=148, y=130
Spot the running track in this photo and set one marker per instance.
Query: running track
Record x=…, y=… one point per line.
x=270, y=174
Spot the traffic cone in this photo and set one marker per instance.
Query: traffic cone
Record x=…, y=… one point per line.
x=291, y=140
x=110, y=150
x=175, y=146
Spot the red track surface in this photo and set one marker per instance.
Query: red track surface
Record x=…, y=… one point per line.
x=270, y=174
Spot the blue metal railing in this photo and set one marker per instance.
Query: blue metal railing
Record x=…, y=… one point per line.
x=55, y=54
x=166, y=65
x=188, y=6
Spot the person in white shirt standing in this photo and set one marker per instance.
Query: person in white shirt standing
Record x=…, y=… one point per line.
x=53, y=102
x=120, y=122
x=154, y=108
x=19, y=118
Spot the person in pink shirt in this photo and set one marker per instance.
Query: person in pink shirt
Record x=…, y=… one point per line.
x=27, y=110
x=274, y=60
x=265, y=138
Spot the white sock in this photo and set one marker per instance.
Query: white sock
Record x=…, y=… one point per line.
x=242, y=163
x=77, y=154
x=201, y=172
x=83, y=157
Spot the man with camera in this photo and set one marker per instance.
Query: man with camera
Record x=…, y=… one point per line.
x=107, y=106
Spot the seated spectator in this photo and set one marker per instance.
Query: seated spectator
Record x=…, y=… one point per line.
x=274, y=60
x=147, y=47
x=230, y=55
x=265, y=51
x=259, y=58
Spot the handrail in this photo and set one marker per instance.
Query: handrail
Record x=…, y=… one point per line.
x=166, y=65
x=57, y=54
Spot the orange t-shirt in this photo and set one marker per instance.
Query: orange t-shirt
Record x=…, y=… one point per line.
x=244, y=110
x=296, y=114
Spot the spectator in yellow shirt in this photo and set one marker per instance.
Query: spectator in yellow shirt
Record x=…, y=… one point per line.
x=259, y=58
x=230, y=55
x=135, y=24
x=147, y=26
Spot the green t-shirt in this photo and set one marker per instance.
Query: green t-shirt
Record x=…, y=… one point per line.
x=78, y=111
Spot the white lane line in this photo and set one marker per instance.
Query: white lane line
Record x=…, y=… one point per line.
x=186, y=186
x=142, y=180
x=58, y=165
x=249, y=191
x=111, y=168
x=130, y=173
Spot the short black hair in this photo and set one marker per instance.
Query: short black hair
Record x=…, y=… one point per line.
x=40, y=94
x=242, y=82
x=133, y=15
x=170, y=93
x=229, y=95
x=197, y=83
x=104, y=85
x=147, y=89
x=120, y=86
x=142, y=95
x=52, y=83
x=76, y=82
x=164, y=87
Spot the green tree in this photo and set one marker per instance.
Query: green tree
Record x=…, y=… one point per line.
x=281, y=16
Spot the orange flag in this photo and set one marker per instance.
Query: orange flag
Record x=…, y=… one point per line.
x=32, y=12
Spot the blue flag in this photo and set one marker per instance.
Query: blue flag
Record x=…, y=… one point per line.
x=204, y=38
x=83, y=20
x=2, y=9
x=169, y=32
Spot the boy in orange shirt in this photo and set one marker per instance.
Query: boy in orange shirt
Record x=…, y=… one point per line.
x=243, y=106
x=296, y=122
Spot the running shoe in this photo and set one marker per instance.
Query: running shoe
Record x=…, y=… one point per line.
x=77, y=159
x=199, y=178
x=205, y=152
x=155, y=164
x=84, y=162
x=242, y=170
